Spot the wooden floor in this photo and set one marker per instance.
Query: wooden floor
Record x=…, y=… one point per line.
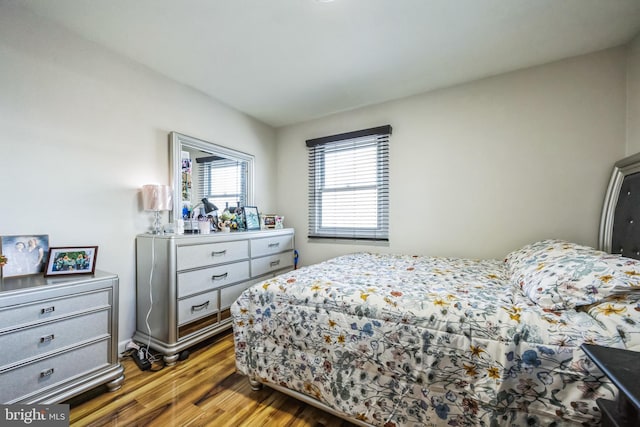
x=203, y=390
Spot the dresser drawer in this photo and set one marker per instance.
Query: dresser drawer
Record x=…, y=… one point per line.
x=195, y=281
x=195, y=256
x=271, y=263
x=271, y=245
x=49, y=372
x=197, y=306
x=40, y=339
x=48, y=309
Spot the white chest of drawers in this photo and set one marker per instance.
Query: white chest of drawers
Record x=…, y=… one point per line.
x=58, y=337
x=187, y=283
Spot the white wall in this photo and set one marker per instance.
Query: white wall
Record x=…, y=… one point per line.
x=633, y=97
x=482, y=168
x=83, y=129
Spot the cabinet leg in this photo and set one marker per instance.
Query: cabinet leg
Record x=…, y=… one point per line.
x=115, y=384
x=171, y=360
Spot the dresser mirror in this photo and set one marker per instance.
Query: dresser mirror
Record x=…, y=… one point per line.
x=203, y=170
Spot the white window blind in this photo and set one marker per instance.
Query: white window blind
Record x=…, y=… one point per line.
x=223, y=181
x=349, y=185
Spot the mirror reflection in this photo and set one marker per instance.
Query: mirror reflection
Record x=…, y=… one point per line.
x=207, y=178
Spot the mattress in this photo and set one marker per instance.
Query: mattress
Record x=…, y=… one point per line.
x=399, y=340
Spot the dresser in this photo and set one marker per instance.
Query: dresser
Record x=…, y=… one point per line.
x=187, y=283
x=58, y=337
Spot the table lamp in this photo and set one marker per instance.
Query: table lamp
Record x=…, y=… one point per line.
x=156, y=198
x=208, y=206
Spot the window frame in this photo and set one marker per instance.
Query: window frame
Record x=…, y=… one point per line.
x=206, y=188
x=318, y=149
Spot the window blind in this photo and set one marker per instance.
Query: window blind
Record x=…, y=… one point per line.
x=349, y=185
x=223, y=181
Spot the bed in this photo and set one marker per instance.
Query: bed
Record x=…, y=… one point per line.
x=401, y=340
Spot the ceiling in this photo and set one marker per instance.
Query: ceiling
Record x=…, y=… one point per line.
x=288, y=61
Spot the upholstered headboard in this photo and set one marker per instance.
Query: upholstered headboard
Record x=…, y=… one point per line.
x=620, y=222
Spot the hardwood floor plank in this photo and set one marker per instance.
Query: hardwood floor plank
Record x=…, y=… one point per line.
x=203, y=391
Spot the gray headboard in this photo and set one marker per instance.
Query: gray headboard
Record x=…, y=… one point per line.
x=620, y=222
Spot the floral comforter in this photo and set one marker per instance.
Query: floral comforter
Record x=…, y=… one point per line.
x=395, y=340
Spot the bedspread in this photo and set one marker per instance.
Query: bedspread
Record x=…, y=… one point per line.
x=396, y=340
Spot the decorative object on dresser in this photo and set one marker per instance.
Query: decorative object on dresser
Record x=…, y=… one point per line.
x=226, y=219
x=270, y=221
x=252, y=218
x=620, y=366
x=186, y=283
x=201, y=223
x=23, y=255
x=63, y=336
x=64, y=261
x=156, y=198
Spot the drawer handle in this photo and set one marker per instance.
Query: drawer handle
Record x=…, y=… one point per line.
x=200, y=307
x=274, y=245
x=48, y=310
x=219, y=253
x=274, y=263
x=47, y=373
x=219, y=276
x=47, y=338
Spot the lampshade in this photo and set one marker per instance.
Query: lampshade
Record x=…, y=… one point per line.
x=156, y=197
x=208, y=206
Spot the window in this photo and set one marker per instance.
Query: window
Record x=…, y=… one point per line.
x=223, y=181
x=349, y=185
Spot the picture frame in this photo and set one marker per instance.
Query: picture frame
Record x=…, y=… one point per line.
x=25, y=254
x=252, y=218
x=270, y=221
x=187, y=169
x=68, y=260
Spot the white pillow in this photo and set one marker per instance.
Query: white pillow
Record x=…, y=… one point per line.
x=557, y=275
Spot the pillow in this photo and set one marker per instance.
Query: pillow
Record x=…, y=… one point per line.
x=557, y=275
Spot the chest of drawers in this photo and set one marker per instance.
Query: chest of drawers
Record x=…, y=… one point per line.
x=59, y=337
x=186, y=283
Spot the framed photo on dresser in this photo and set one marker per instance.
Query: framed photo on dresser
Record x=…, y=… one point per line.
x=71, y=260
x=270, y=221
x=252, y=217
x=24, y=255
